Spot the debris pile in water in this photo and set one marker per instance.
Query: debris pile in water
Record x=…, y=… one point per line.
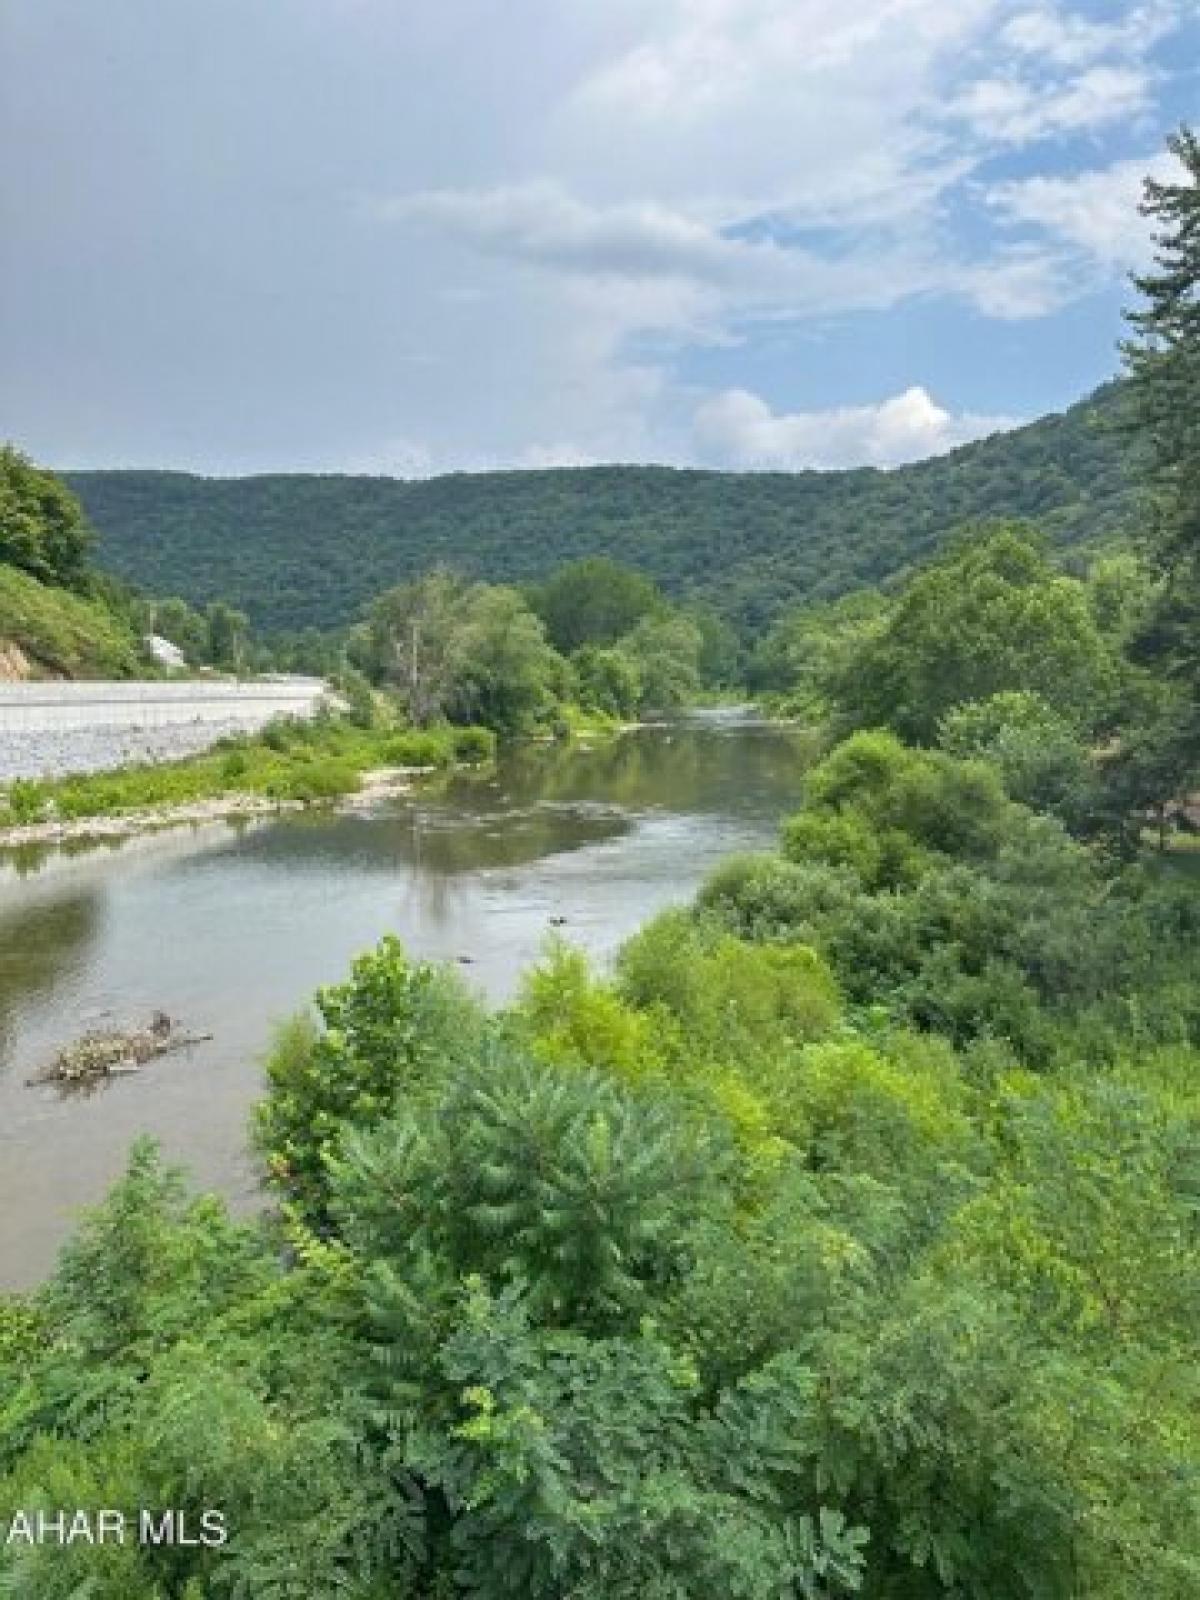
x=113, y=1053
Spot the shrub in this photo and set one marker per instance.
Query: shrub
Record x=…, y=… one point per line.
x=26, y=800
x=310, y=781
x=474, y=745
x=388, y=1032
x=725, y=993
x=419, y=747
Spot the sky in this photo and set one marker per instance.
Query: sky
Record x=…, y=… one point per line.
x=408, y=238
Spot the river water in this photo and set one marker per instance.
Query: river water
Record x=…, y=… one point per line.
x=230, y=929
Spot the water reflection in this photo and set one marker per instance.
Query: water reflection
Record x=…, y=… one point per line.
x=228, y=929
x=39, y=949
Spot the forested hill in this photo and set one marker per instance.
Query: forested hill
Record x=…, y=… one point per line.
x=297, y=550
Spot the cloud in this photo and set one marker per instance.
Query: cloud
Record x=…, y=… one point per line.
x=741, y=430
x=541, y=222
x=1050, y=34
x=1096, y=211
x=640, y=267
x=663, y=198
x=1010, y=110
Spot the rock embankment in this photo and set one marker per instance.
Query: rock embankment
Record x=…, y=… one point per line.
x=57, y=752
x=48, y=730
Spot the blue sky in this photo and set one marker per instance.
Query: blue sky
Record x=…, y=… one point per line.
x=355, y=235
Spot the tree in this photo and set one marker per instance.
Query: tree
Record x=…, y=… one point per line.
x=414, y=643
x=665, y=652
x=991, y=615
x=175, y=620
x=1163, y=360
x=606, y=680
x=1043, y=760
x=508, y=676
x=718, y=664
x=227, y=635
x=42, y=526
x=594, y=601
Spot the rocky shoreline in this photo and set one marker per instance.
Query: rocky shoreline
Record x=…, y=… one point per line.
x=42, y=753
x=376, y=787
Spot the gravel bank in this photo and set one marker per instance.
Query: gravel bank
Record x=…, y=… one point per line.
x=55, y=752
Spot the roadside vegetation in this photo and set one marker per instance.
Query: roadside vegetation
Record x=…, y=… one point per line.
x=62, y=618
x=842, y=1239
x=306, y=761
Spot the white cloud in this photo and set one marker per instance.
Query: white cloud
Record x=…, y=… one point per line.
x=1096, y=211
x=586, y=193
x=639, y=267
x=1012, y=110
x=741, y=430
x=1066, y=38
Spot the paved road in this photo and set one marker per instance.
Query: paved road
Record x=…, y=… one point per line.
x=48, y=729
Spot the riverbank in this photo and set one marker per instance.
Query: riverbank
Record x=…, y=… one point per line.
x=230, y=928
x=289, y=766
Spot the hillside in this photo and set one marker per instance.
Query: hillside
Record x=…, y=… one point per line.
x=298, y=550
x=57, y=619
x=50, y=632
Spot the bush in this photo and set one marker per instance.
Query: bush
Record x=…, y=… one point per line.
x=310, y=781
x=474, y=745
x=725, y=993
x=26, y=800
x=390, y=1031
x=419, y=747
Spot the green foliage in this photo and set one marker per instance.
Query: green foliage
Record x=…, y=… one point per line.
x=727, y=995
x=991, y=616
x=1042, y=760
x=64, y=633
x=295, y=551
x=42, y=526
x=544, y=1327
x=881, y=808
x=842, y=1237
x=1163, y=359
x=936, y=897
x=472, y=652
x=527, y=1177
x=805, y=656
x=593, y=602
x=607, y=681
x=665, y=656
x=384, y=1034
x=226, y=636
x=291, y=760
x=510, y=678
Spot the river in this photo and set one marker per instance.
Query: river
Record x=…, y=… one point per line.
x=229, y=929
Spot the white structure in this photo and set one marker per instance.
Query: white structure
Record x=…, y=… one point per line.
x=165, y=653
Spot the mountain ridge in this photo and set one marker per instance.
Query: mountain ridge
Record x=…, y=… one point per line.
x=298, y=550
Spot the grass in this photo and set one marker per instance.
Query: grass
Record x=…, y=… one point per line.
x=312, y=761
x=64, y=633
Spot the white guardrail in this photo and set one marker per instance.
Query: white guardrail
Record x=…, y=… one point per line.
x=64, y=707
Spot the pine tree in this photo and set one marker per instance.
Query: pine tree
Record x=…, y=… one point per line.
x=1163, y=360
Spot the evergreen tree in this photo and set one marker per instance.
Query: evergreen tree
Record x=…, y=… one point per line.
x=1163, y=359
